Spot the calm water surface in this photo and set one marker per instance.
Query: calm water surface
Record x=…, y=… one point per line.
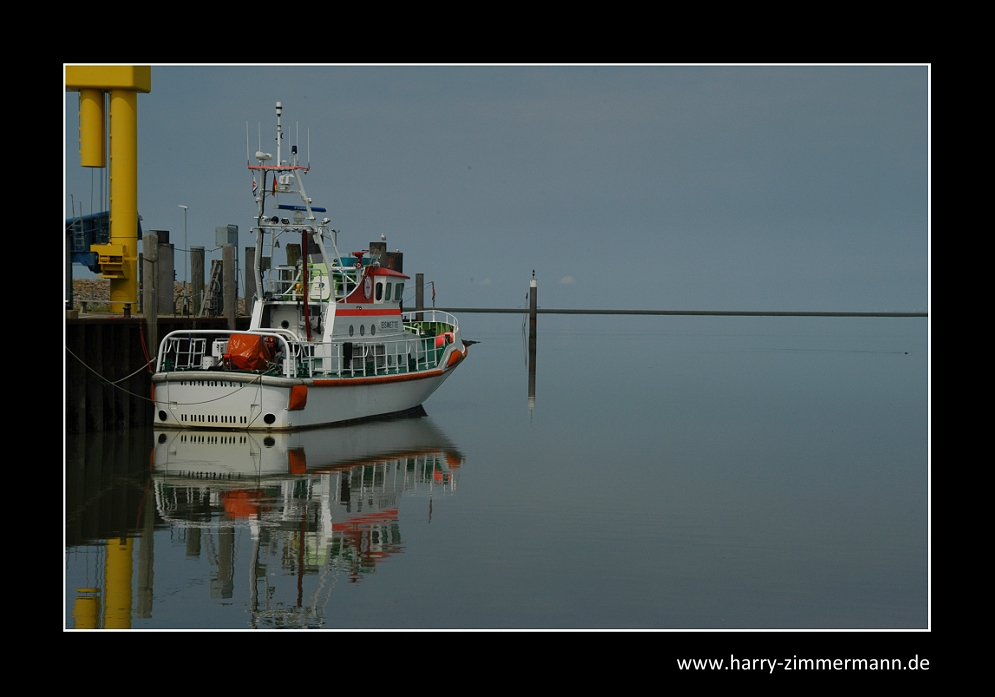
x=671, y=472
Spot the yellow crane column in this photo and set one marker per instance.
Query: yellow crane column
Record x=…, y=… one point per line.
x=119, y=258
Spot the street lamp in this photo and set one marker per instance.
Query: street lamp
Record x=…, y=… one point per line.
x=186, y=254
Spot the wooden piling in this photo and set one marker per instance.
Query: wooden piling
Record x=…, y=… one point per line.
x=419, y=295
x=197, y=278
x=395, y=261
x=165, y=274
x=293, y=254
x=229, y=283
x=150, y=258
x=250, y=277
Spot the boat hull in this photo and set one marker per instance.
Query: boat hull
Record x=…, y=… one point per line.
x=225, y=401
x=232, y=459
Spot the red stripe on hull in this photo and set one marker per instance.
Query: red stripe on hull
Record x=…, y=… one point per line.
x=345, y=382
x=355, y=313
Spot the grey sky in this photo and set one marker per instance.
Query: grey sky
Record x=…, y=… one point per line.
x=775, y=188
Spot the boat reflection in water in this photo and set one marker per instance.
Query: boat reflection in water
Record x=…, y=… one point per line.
x=322, y=502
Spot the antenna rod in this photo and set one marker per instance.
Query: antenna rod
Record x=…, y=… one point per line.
x=247, y=160
x=279, y=132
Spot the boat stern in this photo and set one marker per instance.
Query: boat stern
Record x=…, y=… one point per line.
x=227, y=401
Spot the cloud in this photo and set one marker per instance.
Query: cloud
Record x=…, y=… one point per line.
x=567, y=279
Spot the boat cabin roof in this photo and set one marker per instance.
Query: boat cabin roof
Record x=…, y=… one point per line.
x=384, y=271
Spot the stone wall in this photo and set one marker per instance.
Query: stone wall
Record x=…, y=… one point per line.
x=96, y=292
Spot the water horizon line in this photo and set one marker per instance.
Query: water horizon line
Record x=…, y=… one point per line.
x=713, y=313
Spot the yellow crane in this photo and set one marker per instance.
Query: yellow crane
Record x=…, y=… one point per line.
x=119, y=258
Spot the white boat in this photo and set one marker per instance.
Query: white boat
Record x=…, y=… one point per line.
x=327, y=342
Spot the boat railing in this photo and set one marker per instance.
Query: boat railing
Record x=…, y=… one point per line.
x=288, y=284
x=355, y=359
x=187, y=350
x=285, y=285
x=429, y=322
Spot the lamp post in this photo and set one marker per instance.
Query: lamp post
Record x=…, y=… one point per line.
x=186, y=255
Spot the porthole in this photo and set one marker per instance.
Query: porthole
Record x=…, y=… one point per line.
x=162, y=437
x=350, y=330
x=269, y=418
x=362, y=329
x=285, y=324
x=269, y=442
x=373, y=329
x=162, y=415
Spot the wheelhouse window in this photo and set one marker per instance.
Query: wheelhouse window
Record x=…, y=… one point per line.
x=379, y=291
x=386, y=295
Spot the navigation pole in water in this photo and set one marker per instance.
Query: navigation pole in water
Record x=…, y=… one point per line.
x=532, y=344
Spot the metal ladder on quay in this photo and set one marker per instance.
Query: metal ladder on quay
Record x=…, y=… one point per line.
x=215, y=299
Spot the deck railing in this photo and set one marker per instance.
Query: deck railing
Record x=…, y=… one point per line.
x=421, y=349
x=422, y=320
x=286, y=284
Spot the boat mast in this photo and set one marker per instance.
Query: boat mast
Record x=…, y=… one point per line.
x=313, y=231
x=263, y=157
x=279, y=132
